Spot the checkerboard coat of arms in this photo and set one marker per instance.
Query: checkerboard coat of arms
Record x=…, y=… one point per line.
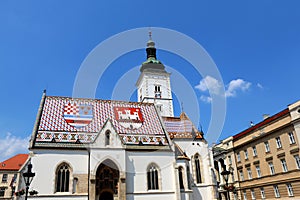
x=129, y=117
x=78, y=115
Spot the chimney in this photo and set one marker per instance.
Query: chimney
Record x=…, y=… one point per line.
x=265, y=116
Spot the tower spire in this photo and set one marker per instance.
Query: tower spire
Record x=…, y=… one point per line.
x=151, y=50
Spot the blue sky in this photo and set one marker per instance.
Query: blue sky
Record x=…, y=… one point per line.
x=43, y=43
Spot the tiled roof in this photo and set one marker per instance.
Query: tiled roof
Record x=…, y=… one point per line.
x=181, y=127
x=14, y=163
x=54, y=126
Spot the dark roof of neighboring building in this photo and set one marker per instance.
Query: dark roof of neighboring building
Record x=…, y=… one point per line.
x=262, y=123
x=181, y=127
x=13, y=163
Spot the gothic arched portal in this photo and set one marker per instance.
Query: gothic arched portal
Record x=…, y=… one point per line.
x=106, y=196
x=107, y=180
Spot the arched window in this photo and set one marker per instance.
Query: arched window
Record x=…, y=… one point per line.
x=180, y=175
x=63, y=178
x=188, y=176
x=198, y=169
x=107, y=138
x=152, y=178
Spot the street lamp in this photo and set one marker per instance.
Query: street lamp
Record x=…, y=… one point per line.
x=28, y=176
x=225, y=175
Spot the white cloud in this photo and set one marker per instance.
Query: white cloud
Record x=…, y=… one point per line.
x=235, y=85
x=211, y=84
x=206, y=99
x=12, y=145
x=215, y=87
x=259, y=86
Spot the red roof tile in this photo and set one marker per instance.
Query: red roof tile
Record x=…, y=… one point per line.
x=181, y=127
x=262, y=123
x=53, y=125
x=14, y=163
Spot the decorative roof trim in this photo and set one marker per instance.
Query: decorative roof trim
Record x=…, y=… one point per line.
x=262, y=123
x=37, y=121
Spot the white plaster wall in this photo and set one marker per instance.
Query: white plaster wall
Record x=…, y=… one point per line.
x=114, y=140
x=114, y=151
x=100, y=155
x=148, y=81
x=45, y=163
x=149, y=196
x=136, y=180
x=203, y=190
x=60, y=197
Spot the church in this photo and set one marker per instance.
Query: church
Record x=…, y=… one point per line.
x=92, y=149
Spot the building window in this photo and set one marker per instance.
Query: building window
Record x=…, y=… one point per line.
x=198, y=169
x=249, y=173
x=180, y=175
x=276, y=191
x=290, y=189
x=267, y=147
x=159, y=107
x=246, y=155
x=241, y=175
x=188, y=176
x=245, y=194
x=272, y=169
x=284, y=165
x=254, y=151
x=157, y=91
x=229, y=160
x=262, y=192
x=232, y=177
x=297, y=159
x=152, y=177
x=258, y=171
x=4, y=178
x=107, y=138
x=2, y=191
x=15, y=178
x=252, y=194
x=292, y=138
x=238, y=155
x=63, y=178
x=278, y=143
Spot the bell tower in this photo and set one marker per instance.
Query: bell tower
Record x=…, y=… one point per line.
x=153, y=85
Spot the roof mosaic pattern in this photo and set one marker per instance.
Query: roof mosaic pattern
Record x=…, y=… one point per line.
x=14, y=163
x=181, y=127
x=53, y=126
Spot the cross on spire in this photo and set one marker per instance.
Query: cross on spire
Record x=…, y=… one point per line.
x=150, y=34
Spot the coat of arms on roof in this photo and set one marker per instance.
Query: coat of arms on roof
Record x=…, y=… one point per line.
x=78, y=115
x=129, y=117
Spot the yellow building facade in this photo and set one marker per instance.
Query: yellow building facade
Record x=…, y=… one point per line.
x=267, y=157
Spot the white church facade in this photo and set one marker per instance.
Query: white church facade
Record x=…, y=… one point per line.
x=91, y=149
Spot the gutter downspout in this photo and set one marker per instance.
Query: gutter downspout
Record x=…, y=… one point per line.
x=89, y=167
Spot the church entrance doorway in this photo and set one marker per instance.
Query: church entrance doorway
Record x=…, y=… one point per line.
x=106, y=196
x=107, y=180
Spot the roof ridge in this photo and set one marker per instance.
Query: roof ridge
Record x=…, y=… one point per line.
x=96, y=99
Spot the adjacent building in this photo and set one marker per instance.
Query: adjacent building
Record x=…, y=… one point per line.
x=266, y=157
x=10, y=175
x=224, y=160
